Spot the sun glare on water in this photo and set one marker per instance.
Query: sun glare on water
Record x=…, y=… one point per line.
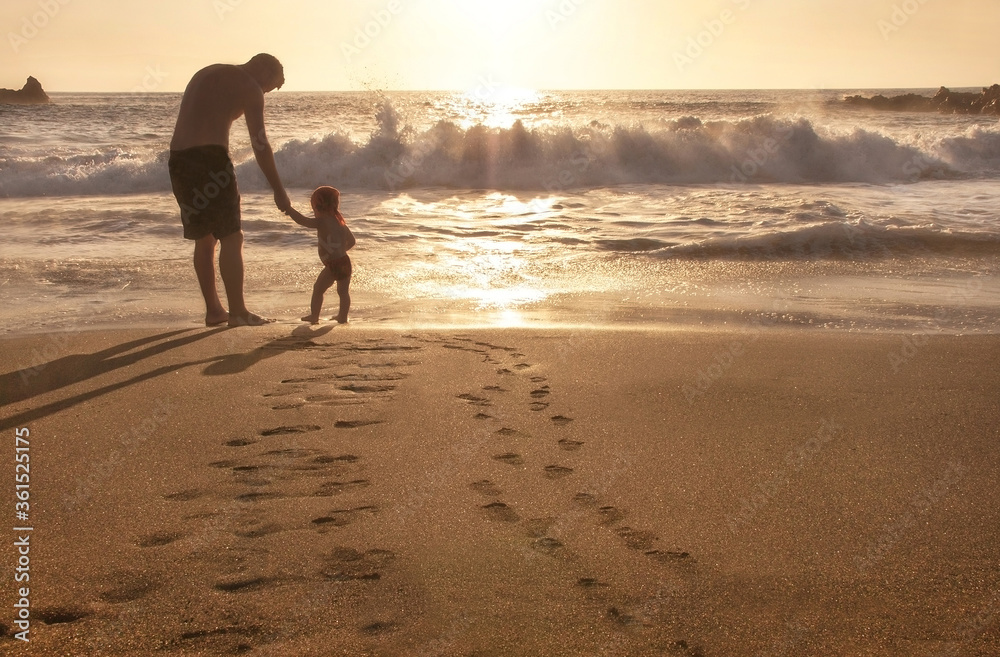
x=493, y=107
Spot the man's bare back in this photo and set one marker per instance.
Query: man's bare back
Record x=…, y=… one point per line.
x=215, y=97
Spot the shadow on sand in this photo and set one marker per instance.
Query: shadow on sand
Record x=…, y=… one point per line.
x=30, y=382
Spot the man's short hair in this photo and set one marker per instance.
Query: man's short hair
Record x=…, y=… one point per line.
x=269, y=62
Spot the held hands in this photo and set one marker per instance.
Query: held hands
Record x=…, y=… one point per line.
x=282, y=201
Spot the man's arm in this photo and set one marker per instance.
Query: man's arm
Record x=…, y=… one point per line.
x=254, y=113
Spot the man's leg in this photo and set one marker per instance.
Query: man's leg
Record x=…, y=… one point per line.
x=204, y=267
x=231, y=268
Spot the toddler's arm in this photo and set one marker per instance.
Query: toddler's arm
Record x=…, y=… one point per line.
x=301, y=219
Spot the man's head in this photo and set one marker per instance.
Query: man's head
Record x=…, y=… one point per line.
x=267, y=70
x=325, y=199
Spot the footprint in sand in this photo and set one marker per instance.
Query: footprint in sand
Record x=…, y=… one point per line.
x=355, y=424
x=185, y=495
x=343, y=458
x=636, y=539
x=248, y=584
x=380, y=627
x=157, y=539
x=288, y=407
x=486, y=487
x=258, y=496
x=482, y=416
x=239, y=442
x=342, y=517
x=126, y=586
x=345, y=564
x=561, y=420
x=59, y=615
x=509, y=458
x=570, y=445
x=622, y=617
x=541, y=392
x=670, y=556
x=609, y=515
x=331, y=488
x=500, y=511
x=474, y=400
x=538, y=527
x=283, y=431
x=585, y=499
x=259, y=531
x=506, y=431
x=557, y=471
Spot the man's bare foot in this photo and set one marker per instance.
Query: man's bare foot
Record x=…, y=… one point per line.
x=311, y=319
x=216, y=319
x=339, y=319
x=249, y=319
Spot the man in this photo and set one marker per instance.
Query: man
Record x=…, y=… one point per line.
x=203, y=179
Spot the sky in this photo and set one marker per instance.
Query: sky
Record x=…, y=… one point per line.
x=465, y=45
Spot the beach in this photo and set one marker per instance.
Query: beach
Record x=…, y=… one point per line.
x=615, y=490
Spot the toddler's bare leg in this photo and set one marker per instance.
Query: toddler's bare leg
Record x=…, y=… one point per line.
x=343, y=289
x=323, y=283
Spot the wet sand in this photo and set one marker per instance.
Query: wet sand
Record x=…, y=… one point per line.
x=354, y=491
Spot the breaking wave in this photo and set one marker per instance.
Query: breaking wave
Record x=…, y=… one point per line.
x=687, y=151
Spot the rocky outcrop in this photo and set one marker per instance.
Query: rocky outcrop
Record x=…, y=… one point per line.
x=945, y=100
x=30, y=94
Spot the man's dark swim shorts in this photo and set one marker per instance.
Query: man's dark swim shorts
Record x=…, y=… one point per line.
x=340, y=268
x=204, y=185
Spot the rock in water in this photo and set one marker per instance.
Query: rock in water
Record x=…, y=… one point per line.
x=30, y=94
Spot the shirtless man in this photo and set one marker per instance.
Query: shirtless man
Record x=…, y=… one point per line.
x=203, y=179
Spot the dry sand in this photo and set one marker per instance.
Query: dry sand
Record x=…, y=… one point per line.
x=353, y=491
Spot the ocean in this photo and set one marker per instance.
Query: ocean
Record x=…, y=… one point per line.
x=736, y=210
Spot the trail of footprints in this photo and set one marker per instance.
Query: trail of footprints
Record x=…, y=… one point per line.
x=605, y=516
x=273, y=468
x=286, y=464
